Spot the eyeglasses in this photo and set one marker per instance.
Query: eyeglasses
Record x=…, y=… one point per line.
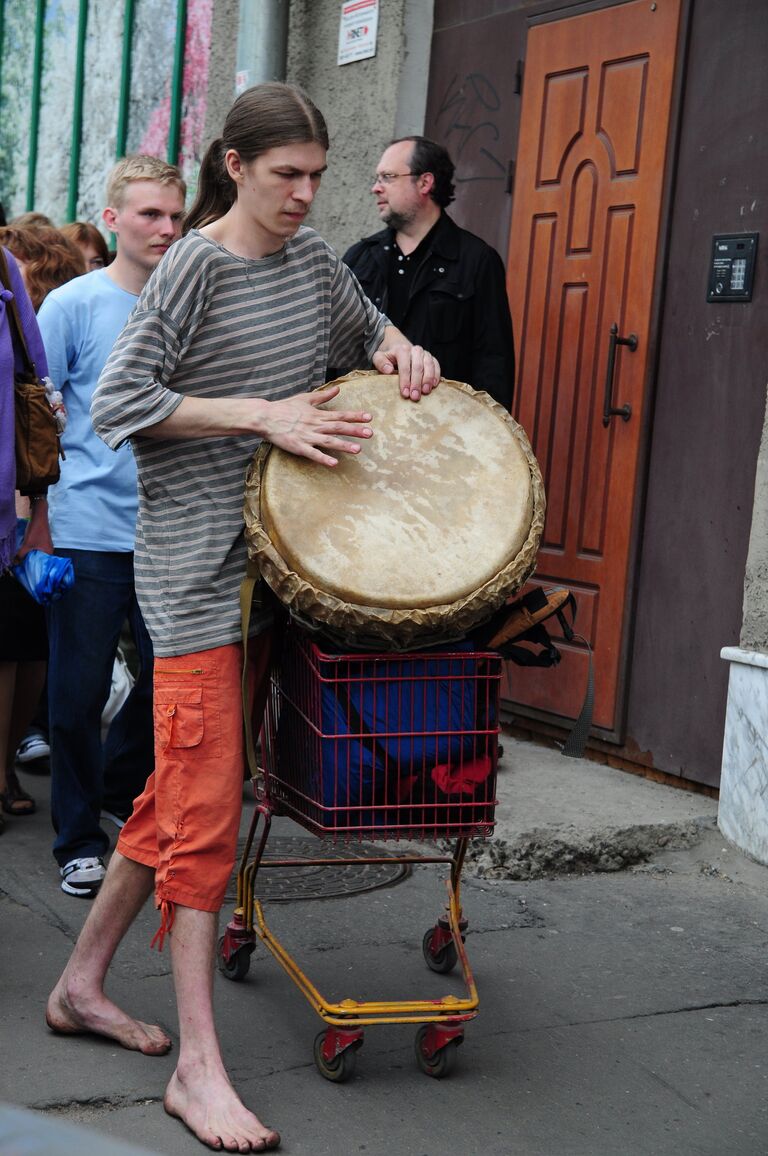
x=388, y=178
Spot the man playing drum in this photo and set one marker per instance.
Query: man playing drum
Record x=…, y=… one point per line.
x=241, y=318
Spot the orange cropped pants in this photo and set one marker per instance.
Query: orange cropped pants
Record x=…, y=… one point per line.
x=185, y=823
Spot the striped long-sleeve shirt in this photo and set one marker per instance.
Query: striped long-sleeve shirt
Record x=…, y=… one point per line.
x=210, y=324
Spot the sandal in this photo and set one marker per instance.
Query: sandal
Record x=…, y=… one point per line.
x=14, y=800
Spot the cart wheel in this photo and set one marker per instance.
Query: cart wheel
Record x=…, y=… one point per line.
x=340, y=1068
x=442, y=961
x=238, y=964
x=442, y=1063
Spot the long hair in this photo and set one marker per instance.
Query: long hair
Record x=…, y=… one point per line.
x=264, y=117
x=49, y=259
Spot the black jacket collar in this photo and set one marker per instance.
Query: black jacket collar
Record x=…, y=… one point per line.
x=445, y=239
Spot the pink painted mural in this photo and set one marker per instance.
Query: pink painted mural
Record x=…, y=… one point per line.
x=195, y=91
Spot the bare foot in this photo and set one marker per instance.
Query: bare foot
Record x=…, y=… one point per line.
x=68, y=1014
x=211, y=1109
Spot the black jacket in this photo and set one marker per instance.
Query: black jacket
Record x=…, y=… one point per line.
x=457, y=308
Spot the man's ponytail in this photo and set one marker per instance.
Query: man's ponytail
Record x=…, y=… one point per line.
x=215, y=188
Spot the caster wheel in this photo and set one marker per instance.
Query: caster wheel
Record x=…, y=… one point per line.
x=442, y=1063
x=340, y=1068
x=446, y=958
x=237, y=966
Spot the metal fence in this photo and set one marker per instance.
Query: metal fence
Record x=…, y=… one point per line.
x=84, y=82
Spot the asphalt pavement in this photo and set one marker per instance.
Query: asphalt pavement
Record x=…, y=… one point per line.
x=618, y=946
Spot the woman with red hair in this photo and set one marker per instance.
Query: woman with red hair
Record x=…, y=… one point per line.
x=46, y=258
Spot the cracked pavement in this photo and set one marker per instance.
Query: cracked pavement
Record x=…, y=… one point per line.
x=621, y=1011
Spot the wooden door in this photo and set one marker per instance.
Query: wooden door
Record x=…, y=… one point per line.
x=585, y=229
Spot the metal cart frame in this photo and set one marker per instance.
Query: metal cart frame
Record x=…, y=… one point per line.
x=349, y=745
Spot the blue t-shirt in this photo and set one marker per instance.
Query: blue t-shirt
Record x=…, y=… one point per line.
x=93, y=506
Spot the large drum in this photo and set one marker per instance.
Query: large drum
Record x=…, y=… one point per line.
x=417, y=538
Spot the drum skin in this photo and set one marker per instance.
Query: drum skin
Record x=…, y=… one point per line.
x=419, y=537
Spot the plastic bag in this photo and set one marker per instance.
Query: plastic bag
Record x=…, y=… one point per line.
x=122, y=683
x=45, y=576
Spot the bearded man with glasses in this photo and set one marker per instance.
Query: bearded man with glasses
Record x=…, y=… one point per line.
x=442, y=286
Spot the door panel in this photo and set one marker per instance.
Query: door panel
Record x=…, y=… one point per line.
x=584, y=237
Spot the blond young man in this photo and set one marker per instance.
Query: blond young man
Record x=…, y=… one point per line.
x=93, y=521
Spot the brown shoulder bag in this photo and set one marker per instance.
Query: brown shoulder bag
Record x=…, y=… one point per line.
x=37, y=437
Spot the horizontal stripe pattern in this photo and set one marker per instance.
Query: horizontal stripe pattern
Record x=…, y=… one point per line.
x=210, y=324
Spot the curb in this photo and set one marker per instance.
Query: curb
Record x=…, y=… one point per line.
x=549, y=852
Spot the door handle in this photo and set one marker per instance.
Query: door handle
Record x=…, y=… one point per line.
x=609, y=411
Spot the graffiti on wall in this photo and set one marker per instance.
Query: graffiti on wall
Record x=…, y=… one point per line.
x=152, y=136
x=468, y=115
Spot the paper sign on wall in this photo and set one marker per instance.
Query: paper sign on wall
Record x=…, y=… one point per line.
x=357, y=30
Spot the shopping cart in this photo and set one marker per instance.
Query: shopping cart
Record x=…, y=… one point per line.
x=375, y=747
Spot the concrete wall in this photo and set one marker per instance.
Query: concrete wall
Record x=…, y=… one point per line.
x=365, y=103
x=754, y=629
x=221, y=68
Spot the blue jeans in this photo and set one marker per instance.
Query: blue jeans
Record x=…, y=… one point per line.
x=83, y=631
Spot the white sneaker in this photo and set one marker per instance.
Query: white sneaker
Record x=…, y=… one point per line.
x=82, y=877
x=32, y=747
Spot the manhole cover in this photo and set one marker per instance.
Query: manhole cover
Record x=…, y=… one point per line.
x=281, y=884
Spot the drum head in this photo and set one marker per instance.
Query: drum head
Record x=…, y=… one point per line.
x=436, y=521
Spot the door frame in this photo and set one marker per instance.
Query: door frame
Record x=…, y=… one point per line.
x=550, y=15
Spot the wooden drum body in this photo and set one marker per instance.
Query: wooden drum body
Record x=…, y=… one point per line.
x=416, y=539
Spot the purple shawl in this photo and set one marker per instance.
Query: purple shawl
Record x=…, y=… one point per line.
x=10, y=362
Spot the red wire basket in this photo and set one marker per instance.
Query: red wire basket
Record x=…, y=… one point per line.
x=381, y=745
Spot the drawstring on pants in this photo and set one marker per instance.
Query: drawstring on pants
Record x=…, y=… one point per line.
x=167, y=916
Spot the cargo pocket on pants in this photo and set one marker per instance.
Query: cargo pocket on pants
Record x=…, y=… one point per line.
x=179, y=722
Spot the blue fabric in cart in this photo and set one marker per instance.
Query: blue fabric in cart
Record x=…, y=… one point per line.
x=391, y=720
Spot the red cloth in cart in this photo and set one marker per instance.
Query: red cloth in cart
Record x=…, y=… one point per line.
x=462, y=780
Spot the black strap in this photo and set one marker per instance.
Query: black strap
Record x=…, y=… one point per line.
x=535, y=599
x=248, y=596
x=574, y=745
x=567, y=627
x=539, y=636
x=549, y=655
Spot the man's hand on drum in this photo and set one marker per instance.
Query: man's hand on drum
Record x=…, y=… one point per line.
x=419, y=371
x=297, y=425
